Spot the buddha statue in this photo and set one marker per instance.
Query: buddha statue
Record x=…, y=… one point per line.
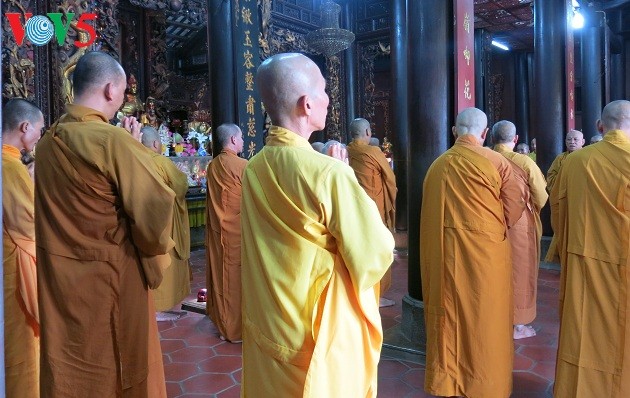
x=150, y=117
x=132, y=106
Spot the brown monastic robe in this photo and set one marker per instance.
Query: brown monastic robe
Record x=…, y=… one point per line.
x=103, y=229
x=21, y=315
x=590, y=213
x=175, y=284
x=525, y=236
x=378, y=180
x=223, y=243
x=552, y=174
x=470, y=199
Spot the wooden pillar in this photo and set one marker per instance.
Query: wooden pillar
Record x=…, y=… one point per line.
x=549, y=86
x=221, y=65
x=521, y=119
x=400, y=107
x=592, y=84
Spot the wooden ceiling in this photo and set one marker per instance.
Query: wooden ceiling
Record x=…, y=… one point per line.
x=510, y=21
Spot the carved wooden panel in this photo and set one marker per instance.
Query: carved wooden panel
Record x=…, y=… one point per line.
x=301, y=12
x=374, y=91
x=372, y=16
x=19, y=62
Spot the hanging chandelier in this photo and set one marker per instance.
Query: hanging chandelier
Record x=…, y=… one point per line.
x=329, y=39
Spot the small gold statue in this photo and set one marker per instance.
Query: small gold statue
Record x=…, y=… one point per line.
x=132, y=106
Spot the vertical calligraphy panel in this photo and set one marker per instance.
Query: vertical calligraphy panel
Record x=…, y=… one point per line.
x=247, y=58
x=464, y=54
x=570, y=67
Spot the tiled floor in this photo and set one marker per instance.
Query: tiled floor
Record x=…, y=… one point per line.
x=198, y=364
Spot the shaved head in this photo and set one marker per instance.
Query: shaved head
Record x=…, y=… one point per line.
x=94, y=70
x=318, y=146
x=522, y=148
x=225, y=132
x=471, y=121
x=616, y=116
x=503, y=132
x=292, y=89
x=574, y=140
x=17, y=111
x=359, y=128
x=149, y=135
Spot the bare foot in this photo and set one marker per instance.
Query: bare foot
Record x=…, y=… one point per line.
x=523, y=332
x=230, y=341
x=385, y=302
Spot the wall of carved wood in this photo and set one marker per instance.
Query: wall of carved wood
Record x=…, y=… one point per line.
x=41, y=73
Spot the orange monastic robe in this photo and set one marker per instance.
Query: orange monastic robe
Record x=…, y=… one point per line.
x=175, y=284
x=552, y=174
x=21, y=315
x=525, y=236
x=377, y=178
x=223, y=243
x=103, y=230
x=470, y=199
x=590, y=213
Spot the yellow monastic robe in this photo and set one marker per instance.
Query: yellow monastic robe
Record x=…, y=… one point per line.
x=311, y=324
x=377, y=178
x=21, y=315
x=591, y=217
x=524, y=236
x=554, y=169
x=552, y=174
x=470, y=199
x=223, y=243
x=175, y=284
x=103, y=229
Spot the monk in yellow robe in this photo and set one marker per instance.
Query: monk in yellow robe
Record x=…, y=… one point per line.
x=574, y=141
x=376, y=176
x=223, y=234
x=591, y=217
x=524, y=236
x=22, y=123
x=175, y=284
x=470, y=199
x=103, y=230
x=314, y=248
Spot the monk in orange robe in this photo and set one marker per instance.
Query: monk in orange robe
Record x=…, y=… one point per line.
x=376, y=176
x=22, y=123
x=591, y=217
x=103, y=230
x=175, y=284
x=574, y=141
x=525, y=235
x=223, y=234
x=470, y=199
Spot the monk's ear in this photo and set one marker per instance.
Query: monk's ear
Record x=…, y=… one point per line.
x=23, y=127
x=304, y=105
x=516, y=139
x=454, y=131
x=108, y=91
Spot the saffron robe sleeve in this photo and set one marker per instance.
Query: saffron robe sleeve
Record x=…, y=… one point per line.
x=21, y=313
x=175, y=284
x=554, y=169
x=591, y=216
x=223, y=243
x=309, y=274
